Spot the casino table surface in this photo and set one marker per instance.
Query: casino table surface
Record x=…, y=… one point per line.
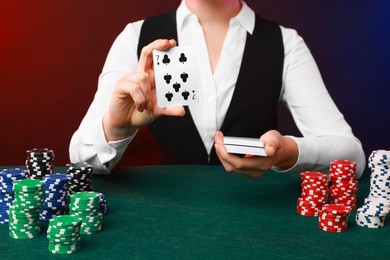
x=203, y=212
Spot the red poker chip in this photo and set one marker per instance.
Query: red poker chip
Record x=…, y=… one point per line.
x=309, y=207
x=333, y=230
x=316, y=200
x=314, y=185
x=317, y=203
x=313, y=196
x=307, y=213
x=337, y=221
x=302, y=201
x=315, y=188
x=343, y=188
x=315, y=182
x=343, y=195
x=343, y=163
x=344, y=181
x=345, y=198
x=332, y=224
x=313, y=175
x=326, y=215
x=314, y=192
x=337, y=209
x=346, y=202
x=346, y=184
x=335, y=172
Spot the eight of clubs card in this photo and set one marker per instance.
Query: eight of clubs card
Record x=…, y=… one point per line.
x=176, y=73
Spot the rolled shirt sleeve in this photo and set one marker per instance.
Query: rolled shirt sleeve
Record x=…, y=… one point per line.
x=326, y=134
x=88, y=143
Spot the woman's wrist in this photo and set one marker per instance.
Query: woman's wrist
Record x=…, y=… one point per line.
x=288, y=154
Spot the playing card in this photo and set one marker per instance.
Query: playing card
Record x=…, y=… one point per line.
x=176, y=74
x=244, y=145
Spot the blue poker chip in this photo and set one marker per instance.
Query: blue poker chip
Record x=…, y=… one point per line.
x=57, y=178
x=56, y=196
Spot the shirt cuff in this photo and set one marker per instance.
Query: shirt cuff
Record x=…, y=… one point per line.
x=108, y=153
x=308, y=156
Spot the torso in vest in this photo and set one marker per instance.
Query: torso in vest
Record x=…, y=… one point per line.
x=253, y=107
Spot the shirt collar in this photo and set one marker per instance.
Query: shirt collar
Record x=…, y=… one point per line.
x=246, y=17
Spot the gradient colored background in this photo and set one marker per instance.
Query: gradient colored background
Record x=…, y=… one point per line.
x=51, y=53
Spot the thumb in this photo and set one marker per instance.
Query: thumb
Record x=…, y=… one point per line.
x=271, y=141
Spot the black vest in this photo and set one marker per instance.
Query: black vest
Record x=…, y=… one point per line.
x=253, y=107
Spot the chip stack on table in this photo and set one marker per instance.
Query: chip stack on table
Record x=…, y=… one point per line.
x=344, y=185
x=80, y=174
x=86, y=206
x=7, y=178
x=24, y=212
x=314, y=193
x=377, y=205
x=63, y=234
x=56, y=196
x=334, y=217
x=39, y=162
x=103, y=203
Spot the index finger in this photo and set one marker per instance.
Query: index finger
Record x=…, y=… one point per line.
x=146, y=59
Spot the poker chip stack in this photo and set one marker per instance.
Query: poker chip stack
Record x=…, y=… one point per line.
x=7, y=178
x=377, y=205
x=344, y=185
x=56, y=196
x=334, y=217
x=86, y=206
x=24, y=212
x=80, y=174
x=314, y=193
x=63, y=234
x=39, y=162
x=103, y=203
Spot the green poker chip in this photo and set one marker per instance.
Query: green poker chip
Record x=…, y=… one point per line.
x=86, y=206
x=24, y=212
x=63, y=234
x=65, y=221
x=28, y=185
x=57, y=248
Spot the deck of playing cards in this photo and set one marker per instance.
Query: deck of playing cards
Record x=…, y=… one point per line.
x=176, y=73
x=244, y=145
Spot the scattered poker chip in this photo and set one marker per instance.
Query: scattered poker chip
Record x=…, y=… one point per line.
x=39, y=162
x=24, y=212
x=86, y=206
x=377, y=205
x=314, y=193
x=56, y=196
x=343, y=183
x=7, y=179
x=334, y=217
x=80, y=174
x=63, y=234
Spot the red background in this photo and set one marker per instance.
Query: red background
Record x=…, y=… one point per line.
x=51, y=54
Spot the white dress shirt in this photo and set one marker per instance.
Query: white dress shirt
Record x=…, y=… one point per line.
x=326, y=135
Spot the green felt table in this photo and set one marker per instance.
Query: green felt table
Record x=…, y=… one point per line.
x=203, y=212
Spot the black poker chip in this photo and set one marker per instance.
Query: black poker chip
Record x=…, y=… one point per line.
x=80, y=173
x=39, y=162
